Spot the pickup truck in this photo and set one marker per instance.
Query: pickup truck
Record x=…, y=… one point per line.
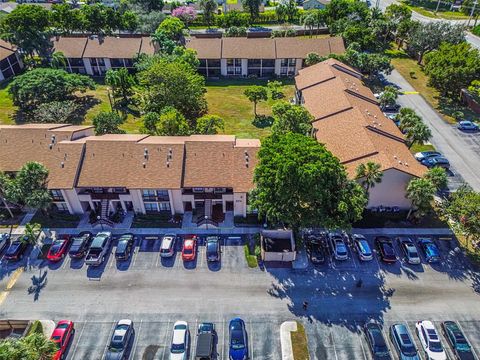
x=99, y=248
x=205, y=342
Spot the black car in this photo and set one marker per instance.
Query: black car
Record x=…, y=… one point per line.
x=457, y=341
x=385, y=248
x=315, y=250
x=213, y=249
x=80, y=245
x=376, y=341
x=391, y=107
x=17, y=248
x=124, y=247
x=4, y=238
x=123, y=332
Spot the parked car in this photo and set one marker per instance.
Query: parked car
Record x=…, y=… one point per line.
x=61, y=336
x=167, y=248
x=391, y=108
x=457, y=340
x=409, y=250
x=124, y=247
x=180, y=341
x=79, y=245
x=17, y=248
x=467, y=126
x=189, y=249
x=121, y=336
x=430, y=250
x=205, y=349
x=430, y=340
x=436, y=161
x=4, y=239
x=315, y=250
x=99, y=248
x=362, y=247
x=385, y=248
x=58, y=250
x=426, y=154
x=213, y=249
x=403, y=342
x=238, y=344
x=376, y=341
x=339, y=248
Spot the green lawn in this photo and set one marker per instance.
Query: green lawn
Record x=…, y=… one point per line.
x=427, y=8
x=300, y=343
x=413, y=73
x=226, y=99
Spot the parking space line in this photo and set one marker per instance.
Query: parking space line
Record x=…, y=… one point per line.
x=473, y=349
x=158, y=259
x=251, y=339
x=65, y=263
x=135, y=253
x=165, y=340
x=137, y=332
x=333, y=344
x=112, y=258
x=109, y=335
x=193, y=342
x=74, y=350
x=363, y=349
x=223, y=338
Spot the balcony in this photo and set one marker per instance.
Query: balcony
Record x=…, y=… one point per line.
x=153, y=198
x=103, y=194
x=207, y=195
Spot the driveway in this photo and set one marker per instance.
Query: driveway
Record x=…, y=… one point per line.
x=461, y=149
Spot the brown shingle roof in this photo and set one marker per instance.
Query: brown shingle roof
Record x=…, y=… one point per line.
x=147, y=46
x=24, y=143
x=113, y=47
x=71, y=47
x=350, y=122
x=6, y=49
x=299, y=48
x=206, y=48
x=248, y=48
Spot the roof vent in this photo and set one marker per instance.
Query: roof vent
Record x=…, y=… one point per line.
x=50, y=146
x=145, y=154
x=400, y=162
x=406, y=164
x=62, y=164
x=395, y=157
x=168, y=164
x=144, y=164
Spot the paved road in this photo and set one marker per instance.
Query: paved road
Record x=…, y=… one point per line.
x=462, y=150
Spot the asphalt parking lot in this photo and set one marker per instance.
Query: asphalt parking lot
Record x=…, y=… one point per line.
x=152, y=338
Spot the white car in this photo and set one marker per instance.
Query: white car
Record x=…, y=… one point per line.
x=167, y=248
x=430, y=340
x=180, y=340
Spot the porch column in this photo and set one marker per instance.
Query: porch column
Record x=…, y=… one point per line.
x=244, y=67
x=223, y=67
x=88, y=66
x=124, y=207
x=277, y=66
x=92, y=206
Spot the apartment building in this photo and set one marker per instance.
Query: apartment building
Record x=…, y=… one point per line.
x=349, y=121
x=140, y=173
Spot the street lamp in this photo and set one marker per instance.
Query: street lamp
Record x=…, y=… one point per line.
x=101, y=223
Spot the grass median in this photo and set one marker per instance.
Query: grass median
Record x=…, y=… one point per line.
x=299, y=343
x=251, y=258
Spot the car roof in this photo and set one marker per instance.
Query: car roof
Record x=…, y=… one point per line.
x=125, y=237
x=166, y=242
x=188, y=242
x=383, y=238
x=179, y=332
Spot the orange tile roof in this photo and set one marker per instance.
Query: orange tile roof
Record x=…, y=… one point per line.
x=349, y=121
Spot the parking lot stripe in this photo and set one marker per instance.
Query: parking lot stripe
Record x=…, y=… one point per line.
x=165, y=340
x=11, y=282
x=158, y=259
x=193, y=341
x=135, y=252
x=333, y=344
x=363, y=349
x=251, y=339
x=78, y=340
x=65, y=263
x=135, y=343
x=106, y=345
x=223, y=338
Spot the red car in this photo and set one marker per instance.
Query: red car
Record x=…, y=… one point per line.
x=189, y=250
x=58, y=250
x=61, y=337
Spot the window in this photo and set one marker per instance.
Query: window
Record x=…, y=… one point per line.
x=214, y=63
x=119, y=190
x=162, y=193
x=198, y=190
x=268, y=63
x=148, y=193
x=254, y=62
x=203, y=62
x=164, y=206
x=219, y=190
x=292, y=62
x=61, y=206
x=151, y=207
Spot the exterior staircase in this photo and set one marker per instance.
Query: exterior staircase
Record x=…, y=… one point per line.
x=104, y=214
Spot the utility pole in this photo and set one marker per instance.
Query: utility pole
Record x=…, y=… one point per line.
x=438, y=5
x=472, y=12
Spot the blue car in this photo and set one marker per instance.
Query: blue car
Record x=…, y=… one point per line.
x=403, y=342
x=467, y=126
x=238, y=346
x=430, y=250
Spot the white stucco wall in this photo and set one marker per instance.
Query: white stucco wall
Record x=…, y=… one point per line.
x=137, y=201
x=88, y=66
x=72, y=200
x=240, y=204
x=176, y=201
x=391, y=191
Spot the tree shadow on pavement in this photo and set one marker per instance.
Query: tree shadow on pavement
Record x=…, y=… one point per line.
x=38, y=284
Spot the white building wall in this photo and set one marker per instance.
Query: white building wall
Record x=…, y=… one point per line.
x=73, y=201
x=240, y=204
x=88, y=66
x=223, y=67
x=137, y=201
x=176, y=201
x=108, y=64
x=1, y=76
x=391, y=191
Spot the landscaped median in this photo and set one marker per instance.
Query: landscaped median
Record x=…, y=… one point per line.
x=294, y=341
x=252, y=251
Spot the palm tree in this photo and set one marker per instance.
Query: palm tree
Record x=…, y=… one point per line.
x=37, y=346
x=370, y=174
x=209, y=8
x=32, y=230
x=419, y=133
x=58, y=60
x=309, y=21
x=420, y=192
x=3, y=185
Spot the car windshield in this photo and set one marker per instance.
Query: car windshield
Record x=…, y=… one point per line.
x=56, y=338
x=122, y=245
x=57, y=245
x=388, y=249
x=237, y=340
x=412, y=253
x=177, y=348
x=212, y=246
x=117, y=343
x=77, y=242
x=364, y=248
x=188, y=251
x=435, y=346
x=62, y=326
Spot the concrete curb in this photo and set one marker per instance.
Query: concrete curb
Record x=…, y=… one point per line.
x=48, y=327
x=285, y=339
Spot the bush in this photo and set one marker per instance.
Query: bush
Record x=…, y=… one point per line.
x=476, y=30
x=35, y=328
x=251, y=259
x=236, y=32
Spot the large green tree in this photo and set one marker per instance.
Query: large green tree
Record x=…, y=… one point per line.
x=428, y=36
x=122, y=83
x=420, y=191
x=369, y=174
x=169, y=122
x=452, y=68
x=66, y=20
x=40, y=86
x=463, y=208
x=107, y=122
x=173, y=27
x=252, y=7
x=172, y=82
x=209, y=125
x=27, y=27
x=209, y=8
x=300, y=183
x=291, y=118
x=29, y=187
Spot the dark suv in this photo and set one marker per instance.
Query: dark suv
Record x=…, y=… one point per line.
x=80, y=245
x=376, y=341
x=124, y=247
x=213, y=249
